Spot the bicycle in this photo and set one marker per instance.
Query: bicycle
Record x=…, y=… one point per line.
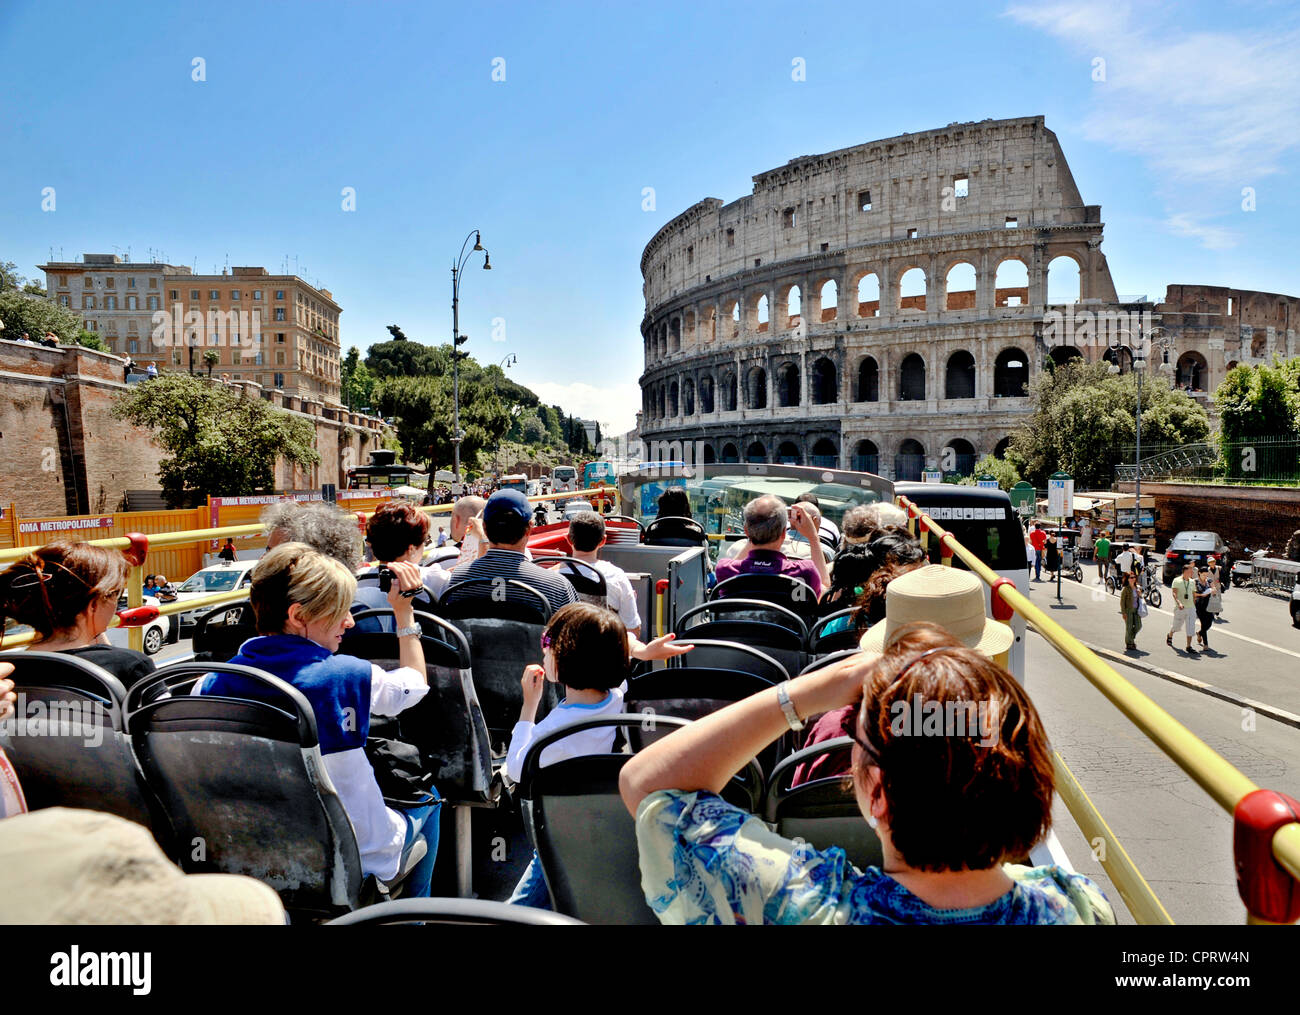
x=1149, y=585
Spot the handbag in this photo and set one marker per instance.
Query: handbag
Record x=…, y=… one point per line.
x=400, y=773
x=1215, y=603
x=1142, y=607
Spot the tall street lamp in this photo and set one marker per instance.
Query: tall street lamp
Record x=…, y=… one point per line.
x=457, y=340
x=508, y=360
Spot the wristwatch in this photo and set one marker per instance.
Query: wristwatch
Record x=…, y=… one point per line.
x=406, y=632
x=787, y=706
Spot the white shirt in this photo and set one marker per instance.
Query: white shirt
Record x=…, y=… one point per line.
x=1125, y=560
x=619, y=594
x=597, y=741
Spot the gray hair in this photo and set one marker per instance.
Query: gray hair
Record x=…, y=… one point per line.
x=861, y=521
x=321, y=526
x=766, y=519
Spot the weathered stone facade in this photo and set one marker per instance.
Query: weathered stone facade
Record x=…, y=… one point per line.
x=788, y=325
x=64, y=453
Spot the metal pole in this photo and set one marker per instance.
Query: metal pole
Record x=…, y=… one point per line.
x=455, y=375
x=1137, y=476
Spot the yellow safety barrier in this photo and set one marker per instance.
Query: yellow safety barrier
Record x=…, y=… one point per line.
x=1214, y=774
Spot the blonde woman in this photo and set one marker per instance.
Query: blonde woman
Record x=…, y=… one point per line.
x=301, y=599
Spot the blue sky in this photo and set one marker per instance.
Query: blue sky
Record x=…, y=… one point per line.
x=398, y=101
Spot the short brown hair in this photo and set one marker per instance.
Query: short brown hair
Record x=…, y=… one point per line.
x=589, y=644
x=295, y=573
x=962, y=801
x=586, y=530
x=394, y=528
x=49, y=587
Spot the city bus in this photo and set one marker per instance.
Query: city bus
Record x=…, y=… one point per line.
x=517, y=481
x=564, y=479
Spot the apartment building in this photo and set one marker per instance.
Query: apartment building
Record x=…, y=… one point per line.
x=276, y=330
x=116, y=300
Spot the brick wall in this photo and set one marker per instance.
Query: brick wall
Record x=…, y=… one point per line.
x=1243, y=516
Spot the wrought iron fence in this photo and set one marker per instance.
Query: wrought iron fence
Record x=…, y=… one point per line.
x=1274, y=460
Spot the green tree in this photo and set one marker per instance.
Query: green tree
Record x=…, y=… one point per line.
x=1082, y=413
x=357, y=383
x=23, y=312
x=1259, y=401
x=215, y=441
x=90, y=340
x=211, y=358
x=1000, y=469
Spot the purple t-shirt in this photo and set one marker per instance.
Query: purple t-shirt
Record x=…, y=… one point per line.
x=771, y=562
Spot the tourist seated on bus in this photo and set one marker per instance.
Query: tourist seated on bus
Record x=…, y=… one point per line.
x=398, y=531
x=766, y=519
x=866, y=521
x=829, y=531
x=586, y=537
x=585, y=649
x=862, y=571
x=68, y=594
x=953, y=813
x=301, y=601
x=326, y=530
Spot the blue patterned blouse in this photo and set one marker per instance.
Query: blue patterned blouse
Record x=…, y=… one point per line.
x=705, y=861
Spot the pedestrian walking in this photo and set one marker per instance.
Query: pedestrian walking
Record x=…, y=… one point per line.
x=1130, y=603
x=442, y=537
x=228, y=552
x=1102, y=552
x=1184, y=591
x=1204, y=594
x=1085, y=539
x=1052, y=556
x=1039, y=539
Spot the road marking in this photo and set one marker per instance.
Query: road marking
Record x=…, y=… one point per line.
x=1218, y=631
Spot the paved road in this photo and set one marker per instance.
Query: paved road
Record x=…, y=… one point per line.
x=1178, y=837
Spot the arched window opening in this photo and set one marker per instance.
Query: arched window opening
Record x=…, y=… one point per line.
x=911, y=379
x=1011, y=284
x=960, y=287
x=960, y=382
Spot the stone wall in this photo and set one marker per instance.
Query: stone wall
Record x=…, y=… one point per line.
x=1243, y=516
x=64, y=453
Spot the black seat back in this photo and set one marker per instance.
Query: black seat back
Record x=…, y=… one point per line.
x=829, y=659
x=821, y=643
x=68, y=741
x=244, y=786
x=584, y=836
x=675, y=531
x=422, y=600
x=587, y=582
x=499, y=651
x=730, y=655
x=219, y=631
x=447, y=724
x=795, y=595
x=498, y=598
x=823, y=812
x=778, y=632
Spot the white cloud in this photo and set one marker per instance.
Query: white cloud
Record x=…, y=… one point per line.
x=615, y=406
x=1211, y=237
x=1207, y=105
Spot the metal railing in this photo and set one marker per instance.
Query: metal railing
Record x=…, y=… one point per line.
x=1229, y=788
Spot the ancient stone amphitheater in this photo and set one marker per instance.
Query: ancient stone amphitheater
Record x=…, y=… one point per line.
x=881, y=307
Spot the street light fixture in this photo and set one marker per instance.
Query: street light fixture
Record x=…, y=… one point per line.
x=457, y=340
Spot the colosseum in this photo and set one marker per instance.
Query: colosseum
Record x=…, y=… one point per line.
x=882, y=307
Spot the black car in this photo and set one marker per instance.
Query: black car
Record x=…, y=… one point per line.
x=1198, y=548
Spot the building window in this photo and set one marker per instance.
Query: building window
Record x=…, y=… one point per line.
x=133, y=346
x=234, y=294
x=731, y=237
x=279, y=357
x=236, y=357
x=826, y=246
x=64, y=301
x=758, y=261
x=87, y=283
x=152, y=302
x=63, y=280
x=176, y=294
x=864, y=200
x=788, y=219
x=194, y=294
x=911, y=234
x=130, y=282
x=279, y=313
x=279, y=295
x=94, y=326
x=961, y=186
x=279, y=336
x=690, y=255
x=279, y=380
x=109, y=282
x=87, y=303
x=257, y=294
x=153, y=283
x=1012, y=222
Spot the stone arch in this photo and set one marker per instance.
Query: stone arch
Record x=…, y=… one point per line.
x=709, y=456
x=788, y=391
x=1258, y=343
x=1064, y=276
x=673, y=403
x=911, y=290
x=1010, y=374
x=758, y=313
x=825, y=382
x=692, y=333
x=959, y=286
x=829, y=300
x=909, y=462
x=756, y=388
x=1193, y=370
x=675, y=335
x=788, y=453
x=710, y=324
x=959, y=453
x=824, y=454
x=793, y=306
x=1011, y=283
x=866, y=457
x=868, y=287
x=911, y=378
x=688, y=397
x=706, y=394
x=756, y=452
x=1120, y=356
x=1062, y=354
x=662, y=397
x=735, y=318
x=868, y=380
x=1000, y=448
x=730, y=453
x=728, y=392
x=959, y=380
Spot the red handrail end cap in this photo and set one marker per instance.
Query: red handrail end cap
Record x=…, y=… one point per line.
x=138, y=550
x=1267, y=889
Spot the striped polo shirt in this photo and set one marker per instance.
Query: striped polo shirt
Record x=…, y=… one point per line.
x=499, y=563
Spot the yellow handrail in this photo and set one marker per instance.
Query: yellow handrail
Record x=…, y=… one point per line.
x=1217, y=776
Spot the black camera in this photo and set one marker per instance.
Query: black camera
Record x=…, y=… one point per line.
x=386, y=584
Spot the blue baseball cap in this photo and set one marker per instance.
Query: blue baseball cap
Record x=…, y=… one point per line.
x=507, y=501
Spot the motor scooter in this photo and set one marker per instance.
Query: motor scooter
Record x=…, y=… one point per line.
x=1243, y=571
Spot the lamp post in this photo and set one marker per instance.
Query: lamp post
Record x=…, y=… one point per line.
x=508, y=360
x=457, y=340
